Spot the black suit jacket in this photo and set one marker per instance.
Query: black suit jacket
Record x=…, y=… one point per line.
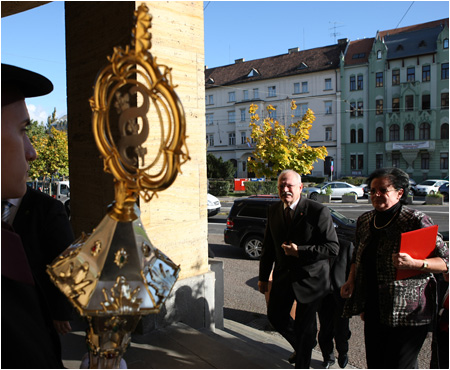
x=312, y=230
x=45, y=230
x=340, y=267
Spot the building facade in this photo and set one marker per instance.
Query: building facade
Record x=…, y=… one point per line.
x=309, y=77
x=378, y=102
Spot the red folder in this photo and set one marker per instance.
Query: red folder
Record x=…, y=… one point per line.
x=419, y=244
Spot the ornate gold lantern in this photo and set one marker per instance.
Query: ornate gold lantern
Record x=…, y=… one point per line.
x=115, y=275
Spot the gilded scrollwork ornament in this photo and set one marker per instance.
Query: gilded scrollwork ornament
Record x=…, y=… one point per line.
x=115, y=275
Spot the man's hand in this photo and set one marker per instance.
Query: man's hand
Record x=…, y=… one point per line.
x=62, y=327
x=263, y=286
x=347, y=289
x=290, y=249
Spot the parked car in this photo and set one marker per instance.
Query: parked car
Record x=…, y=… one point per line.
x=443, y=189
x=247, y=219
x=338, y=189
x=430, y=186
x=213, y=205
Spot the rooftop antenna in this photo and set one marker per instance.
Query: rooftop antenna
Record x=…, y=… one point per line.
x=334, y=33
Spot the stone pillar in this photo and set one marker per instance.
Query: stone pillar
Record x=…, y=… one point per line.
x=175, y=220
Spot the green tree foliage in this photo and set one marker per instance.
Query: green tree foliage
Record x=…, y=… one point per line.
x=51, y=146
x=279, y=147
x=218, y=169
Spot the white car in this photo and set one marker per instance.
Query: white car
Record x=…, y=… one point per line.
x=213, y=205
x=429, y=186
x=338, y=189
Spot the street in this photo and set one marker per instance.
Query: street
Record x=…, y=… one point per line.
x=244, y=303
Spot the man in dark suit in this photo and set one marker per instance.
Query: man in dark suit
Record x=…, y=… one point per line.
x=45, y=230
x=332, y=324
x=300, y=239
x=29, y=338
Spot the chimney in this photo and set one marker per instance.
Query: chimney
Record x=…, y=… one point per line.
x=342, y=41
x=237, y=61
x=293, y=50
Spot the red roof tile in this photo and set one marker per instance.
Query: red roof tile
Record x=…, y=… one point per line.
x=358, y=51
x=318, y=59
x=414, y=27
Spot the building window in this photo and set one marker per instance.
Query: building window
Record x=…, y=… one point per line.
x=396, y=77
x=243, y=138
x=395, y=159
x=360, y=135
x=379, y=79
x=273, y=113
x=410, y=74
x=242, y=114
x=444, y=131
x=353, y=135
x=232, y=117
x=378, y=54
x=272, y=91
x=360, y=82
x=394, y=133
x=409, y=131
x=256, y=93
x=426, y=102
x=424, y=131
x=444, y=100
x=444, y=161
x=328, y=107
x=352, y=83
x=425, y=161
x=360, y=161
x=303, y=109
x=426, y=73
x=209, y=119
x=444, y=71
x=353, y=162
x=352, y=109
x=297, y=88
x=297, y=112
x=379, y=106
x=379, y=135
x=231, y=97
x=210, y=99
x=231, y=138
x=328, y=84
x=395, y=104
x=245, y=94
x=409, y=102
x=210, y=140
x=379, y=161
x=304, y=87
x=445, y=43
x=360, y=109
x=328, y=134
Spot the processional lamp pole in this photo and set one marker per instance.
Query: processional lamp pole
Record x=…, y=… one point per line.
x=115, y=275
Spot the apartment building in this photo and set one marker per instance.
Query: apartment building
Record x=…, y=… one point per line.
x=309, y=77
x=414, y=126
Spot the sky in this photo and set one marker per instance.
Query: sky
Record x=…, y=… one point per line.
x=233, y=29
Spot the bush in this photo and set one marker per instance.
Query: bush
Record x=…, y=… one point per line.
x=353, y=180
x=435, y=195
x=328, y=191
x=260, y=187
x=219, y=188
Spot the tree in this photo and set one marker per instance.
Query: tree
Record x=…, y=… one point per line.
x=51, y=146
x=218, y=169
x=279, y=147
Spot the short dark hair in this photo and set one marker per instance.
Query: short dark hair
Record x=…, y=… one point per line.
x=398, y=178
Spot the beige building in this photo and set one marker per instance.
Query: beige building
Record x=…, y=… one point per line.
x=310, y=78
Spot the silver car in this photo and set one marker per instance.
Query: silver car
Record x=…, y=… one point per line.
x=338, y=189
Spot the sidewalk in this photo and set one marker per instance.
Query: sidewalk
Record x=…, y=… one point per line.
x=178, y=346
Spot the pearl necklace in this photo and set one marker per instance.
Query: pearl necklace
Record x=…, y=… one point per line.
x=382, y=227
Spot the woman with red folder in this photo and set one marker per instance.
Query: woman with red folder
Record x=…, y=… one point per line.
x=396, y=313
